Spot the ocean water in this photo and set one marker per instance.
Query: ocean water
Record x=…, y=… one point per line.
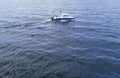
x=32, y=46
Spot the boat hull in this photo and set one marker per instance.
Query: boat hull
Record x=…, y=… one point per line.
x=62, y=19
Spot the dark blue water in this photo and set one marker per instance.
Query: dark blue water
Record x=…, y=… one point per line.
x=32, y=46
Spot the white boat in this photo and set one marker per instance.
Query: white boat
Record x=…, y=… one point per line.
x=63, y=17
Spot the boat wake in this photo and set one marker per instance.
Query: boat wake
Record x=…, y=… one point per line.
x=47, y=20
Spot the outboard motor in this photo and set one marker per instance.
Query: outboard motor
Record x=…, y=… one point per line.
x=52, y=18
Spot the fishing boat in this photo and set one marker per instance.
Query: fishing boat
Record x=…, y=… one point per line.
x=63, y=17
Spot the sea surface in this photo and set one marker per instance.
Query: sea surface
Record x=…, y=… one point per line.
x=33, y=46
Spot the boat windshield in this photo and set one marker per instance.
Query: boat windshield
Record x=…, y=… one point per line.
x=65, y=15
